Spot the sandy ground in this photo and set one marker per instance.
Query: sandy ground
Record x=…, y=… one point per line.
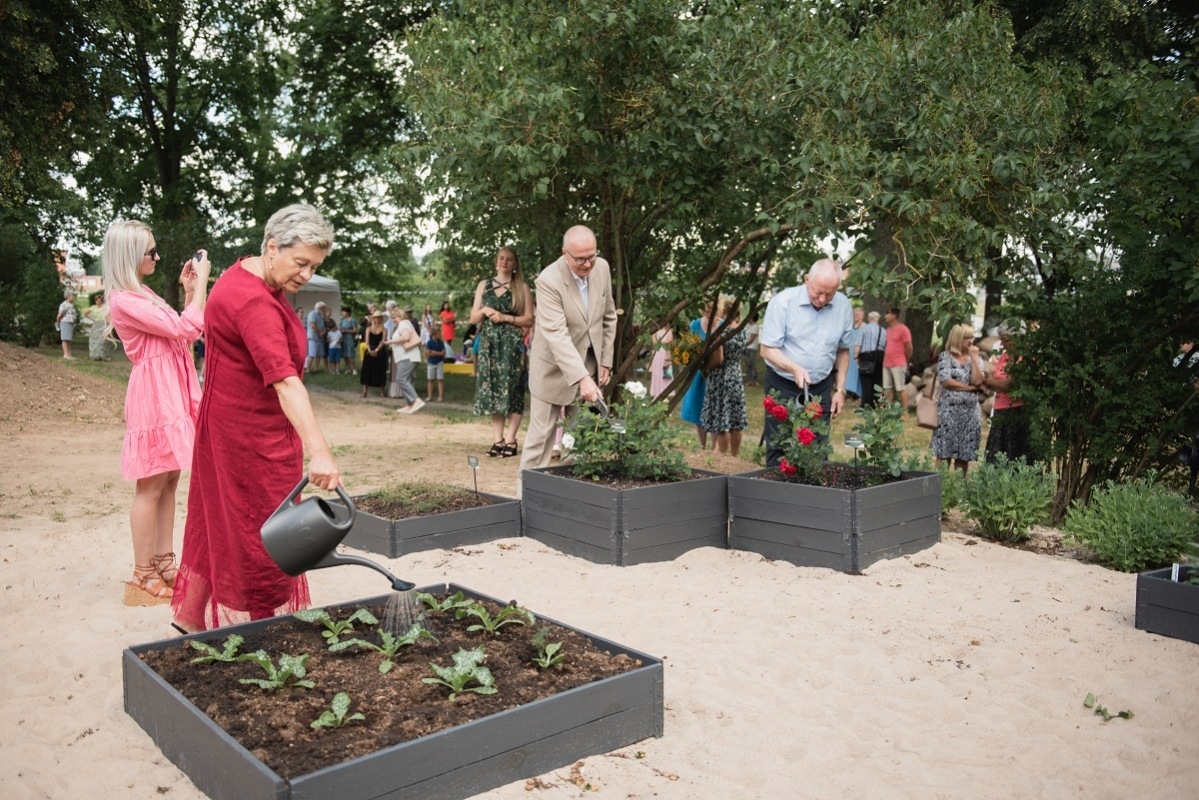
x=956, y=672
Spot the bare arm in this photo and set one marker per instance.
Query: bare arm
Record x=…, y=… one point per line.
x=293, y=399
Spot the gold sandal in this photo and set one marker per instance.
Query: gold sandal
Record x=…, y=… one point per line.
x=164, y=565
x=146, y=588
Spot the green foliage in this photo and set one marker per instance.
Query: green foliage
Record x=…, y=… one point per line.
x=390, y=644
x=227, y=653
x=453, y=602
x=29, y=287
x=277, y=677
x=643, y=448
x=802, y=435
x=1100, y=711
x=335, y=629
x=879, y=428
x=1133, y=526
x=549, y=654
x=468, y=668
x=336, y=717
x=1006, y=498
x=508, y=615
x=953, y=489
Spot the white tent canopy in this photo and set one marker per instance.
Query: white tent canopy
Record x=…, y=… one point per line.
x=318, y=289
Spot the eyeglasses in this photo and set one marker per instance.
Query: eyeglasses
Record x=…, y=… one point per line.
x=152, y=253
x=583, y=260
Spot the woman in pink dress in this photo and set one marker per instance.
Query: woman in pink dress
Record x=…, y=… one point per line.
x=662, y=339
x=161, y=401
x=255, y=423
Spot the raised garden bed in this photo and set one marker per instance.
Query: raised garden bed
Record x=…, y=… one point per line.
x=501, y=738
x=497, y=518
x=842, y=529
x=624, y=526
x=1168, y=607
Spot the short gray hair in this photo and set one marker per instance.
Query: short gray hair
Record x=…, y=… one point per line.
x=873, y=316
x=296, y=224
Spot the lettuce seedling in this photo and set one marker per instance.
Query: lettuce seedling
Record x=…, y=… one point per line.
x=212, y=654
x=391, y=644
x=335, y=630
x=548, y=654
x=468, y=666
x=277, y=677
x=508, y=615
x=455, y=602
x=337, y=717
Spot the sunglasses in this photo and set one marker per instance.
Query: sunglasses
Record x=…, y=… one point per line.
x=153, y=253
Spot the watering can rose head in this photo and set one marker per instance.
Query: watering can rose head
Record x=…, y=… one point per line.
x=634, y=441
x=802, y=435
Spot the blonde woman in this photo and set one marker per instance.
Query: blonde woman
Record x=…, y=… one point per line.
x=503, y=308
x=960, y=373
x=162, y=401
x=405, y=354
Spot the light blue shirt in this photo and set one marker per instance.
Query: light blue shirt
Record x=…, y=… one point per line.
x=807, y=336
x=582, y=284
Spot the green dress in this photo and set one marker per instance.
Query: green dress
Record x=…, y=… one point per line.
x=500, y=372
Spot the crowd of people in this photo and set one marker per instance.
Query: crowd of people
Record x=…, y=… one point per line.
x=246, y=433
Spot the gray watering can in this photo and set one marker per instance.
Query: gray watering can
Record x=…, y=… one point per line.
x=304, y=536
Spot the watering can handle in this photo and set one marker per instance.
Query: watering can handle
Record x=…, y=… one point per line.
x=345, y=498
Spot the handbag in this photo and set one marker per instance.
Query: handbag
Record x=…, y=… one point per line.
x=869, y=360
x=926, y=408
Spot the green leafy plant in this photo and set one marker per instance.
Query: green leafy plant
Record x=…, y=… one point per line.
x=1100, y=711
x=953, y=489
x=508, y=615
x=1006, y=498
x=643, y=447
x=549, y=654
x=391, y=644
x=1133, y=526
x=453, y=602
x=802, y=435
x=290, y=667
x=335, y=629
x=336, y=717
x=879, y=428
x=211, y=654
x=468, y=667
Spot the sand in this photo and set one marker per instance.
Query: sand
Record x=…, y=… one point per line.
x=959, y=671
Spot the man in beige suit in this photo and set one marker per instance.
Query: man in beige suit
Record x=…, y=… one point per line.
x=571, y=353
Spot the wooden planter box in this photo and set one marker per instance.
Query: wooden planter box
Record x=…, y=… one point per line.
x=842, y=529
x=455, y=763
x=624, y=526
x=397, y=537
x=1167, y=607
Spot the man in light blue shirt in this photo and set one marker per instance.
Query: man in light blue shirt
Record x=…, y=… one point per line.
x=806, y=335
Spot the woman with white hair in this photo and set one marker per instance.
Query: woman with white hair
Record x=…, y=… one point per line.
x=65, y=323
x=162, y=399
x=255, y=424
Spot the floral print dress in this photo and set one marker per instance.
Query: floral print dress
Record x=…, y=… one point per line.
x=960, y=429
x=500, y=372
x=724, y=399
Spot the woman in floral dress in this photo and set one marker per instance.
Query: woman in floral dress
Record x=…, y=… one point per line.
x=503, y=308
x=724, y=414
x=960, y=373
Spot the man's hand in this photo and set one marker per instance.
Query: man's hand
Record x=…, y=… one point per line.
x=604, y=375
x=836, y=404
x=800, y=376
x=588, y=389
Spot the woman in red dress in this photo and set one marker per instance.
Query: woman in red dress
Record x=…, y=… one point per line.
x=447, y=325
x=255, y=423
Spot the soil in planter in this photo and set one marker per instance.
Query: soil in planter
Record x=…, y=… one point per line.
x=838, y=476
x=418, y=499
x=617, y=482
x=275, y=726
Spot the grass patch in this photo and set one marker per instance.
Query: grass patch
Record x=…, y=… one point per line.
x=421, y=497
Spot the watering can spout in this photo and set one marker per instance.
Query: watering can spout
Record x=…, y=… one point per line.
x=304, y=536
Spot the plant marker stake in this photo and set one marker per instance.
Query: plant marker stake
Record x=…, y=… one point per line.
x=851, y=440
x=1174, y=573
x=473, y=463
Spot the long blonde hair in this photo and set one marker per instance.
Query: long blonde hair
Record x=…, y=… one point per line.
x=125, y=246
x=517, y=285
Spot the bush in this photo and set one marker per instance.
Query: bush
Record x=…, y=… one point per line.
x=953, y=489
x=1133, y=526
x=1006, y=498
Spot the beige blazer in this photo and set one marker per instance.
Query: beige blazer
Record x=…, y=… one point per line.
x=570, y=343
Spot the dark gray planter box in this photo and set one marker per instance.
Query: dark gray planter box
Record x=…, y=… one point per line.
x=624, y=526
x=1168, y=607
x=842, y=529
x=394, y=538
x=456, y=763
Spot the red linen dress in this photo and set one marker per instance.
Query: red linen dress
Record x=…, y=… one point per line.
x=248, y=458
x=163, y=397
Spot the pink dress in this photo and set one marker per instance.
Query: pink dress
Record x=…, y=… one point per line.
x=163, y=398
x=657, y=367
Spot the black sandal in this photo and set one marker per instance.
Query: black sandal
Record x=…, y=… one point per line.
x=509, y=449
x=496, y=449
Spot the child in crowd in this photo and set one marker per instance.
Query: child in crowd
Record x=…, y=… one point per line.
x=333, y=337
x=435, y=360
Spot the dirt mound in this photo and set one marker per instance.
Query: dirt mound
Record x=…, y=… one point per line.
x=39, y=393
